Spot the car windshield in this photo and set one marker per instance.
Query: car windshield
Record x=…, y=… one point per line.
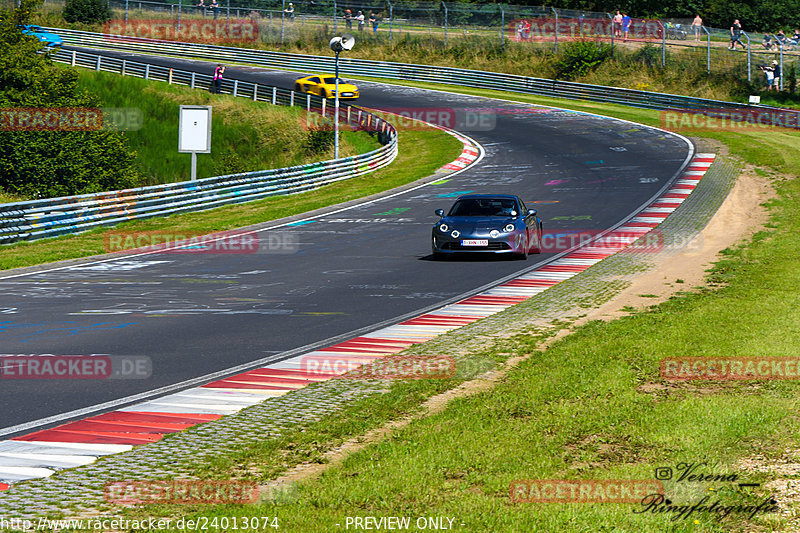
x=484, y=207
x=331, y=81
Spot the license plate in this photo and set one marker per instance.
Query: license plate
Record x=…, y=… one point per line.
x=475, y=242
x=347, y=94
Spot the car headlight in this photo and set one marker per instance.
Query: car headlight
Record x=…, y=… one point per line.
x=509, y=228
x=494, y=234
x=455, y=234
x=443, y=228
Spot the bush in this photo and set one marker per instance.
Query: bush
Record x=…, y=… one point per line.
x=319, y=140
x=87, y=11
x=43, y=164
x=648, y=55
x=578, y=58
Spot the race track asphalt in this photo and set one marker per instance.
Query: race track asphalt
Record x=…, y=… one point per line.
x=197, y=313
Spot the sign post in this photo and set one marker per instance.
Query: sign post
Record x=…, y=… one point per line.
x=194, y=132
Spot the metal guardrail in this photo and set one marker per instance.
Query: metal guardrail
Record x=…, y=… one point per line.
x=51, y=217
x=403, y=71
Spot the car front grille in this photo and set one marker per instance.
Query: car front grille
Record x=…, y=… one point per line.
x=495, y=246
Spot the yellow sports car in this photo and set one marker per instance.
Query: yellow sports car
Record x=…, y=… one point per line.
x=325, y=86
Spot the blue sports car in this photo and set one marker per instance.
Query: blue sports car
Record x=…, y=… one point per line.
x=51, y=40
x=494, y=223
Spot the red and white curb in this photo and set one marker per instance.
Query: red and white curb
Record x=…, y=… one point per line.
x=468, y=155
x=42, y=453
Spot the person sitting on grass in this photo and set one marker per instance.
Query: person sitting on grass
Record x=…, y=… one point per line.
x=767, y=42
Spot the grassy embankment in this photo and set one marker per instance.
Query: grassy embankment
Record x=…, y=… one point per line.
x=245, y=135
x=591, y=406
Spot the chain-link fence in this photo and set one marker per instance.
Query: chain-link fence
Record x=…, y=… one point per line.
x=448, y=23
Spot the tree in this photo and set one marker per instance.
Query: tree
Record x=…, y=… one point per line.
x=51, y=163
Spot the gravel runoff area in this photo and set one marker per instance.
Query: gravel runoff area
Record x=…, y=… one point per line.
x=79, y=490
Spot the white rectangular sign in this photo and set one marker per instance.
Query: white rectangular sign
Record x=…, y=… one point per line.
x=194, y=129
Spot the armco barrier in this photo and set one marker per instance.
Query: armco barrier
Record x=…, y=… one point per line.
x=58, y=216
x=403, y=71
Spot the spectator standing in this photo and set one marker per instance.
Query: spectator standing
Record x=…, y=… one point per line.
x=289, y=11
x=618, y=24
x=360, y=19
x=770, y=74
x=626, y=26
x=697, y=25
x=348, y=19
x=776, y=80
x=520, y=29
x=526, y=29
x=215, y=7
x=218, y=72
x=736, y=33
x=373, y=20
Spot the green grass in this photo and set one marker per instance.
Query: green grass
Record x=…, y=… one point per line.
x=422, y=151
x=245, y=136
x=591, y=406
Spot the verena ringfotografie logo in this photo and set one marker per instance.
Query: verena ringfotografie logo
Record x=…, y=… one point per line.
x=193, y=30
x=392, y=367
x=48, y=366
x=224, y=242
x=730, y=368
x=180, y=492
x=583, y=491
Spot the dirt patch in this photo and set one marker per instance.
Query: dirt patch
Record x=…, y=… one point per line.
x=738, y=218
x=786, y=489
x=740, y=215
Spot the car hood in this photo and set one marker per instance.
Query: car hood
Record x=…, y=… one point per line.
x=465, y=224
x=344, y=87
x=45, y=36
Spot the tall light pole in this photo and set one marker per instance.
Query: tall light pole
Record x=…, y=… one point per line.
x=338, y=45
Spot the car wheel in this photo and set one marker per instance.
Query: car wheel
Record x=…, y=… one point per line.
x=524, y=254
x=298, y=88
x=537, y=247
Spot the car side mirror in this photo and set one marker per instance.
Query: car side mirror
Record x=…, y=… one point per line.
x=440, y=212
x=534, y=212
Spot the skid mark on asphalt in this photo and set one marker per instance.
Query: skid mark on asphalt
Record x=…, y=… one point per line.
x=151, y=420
